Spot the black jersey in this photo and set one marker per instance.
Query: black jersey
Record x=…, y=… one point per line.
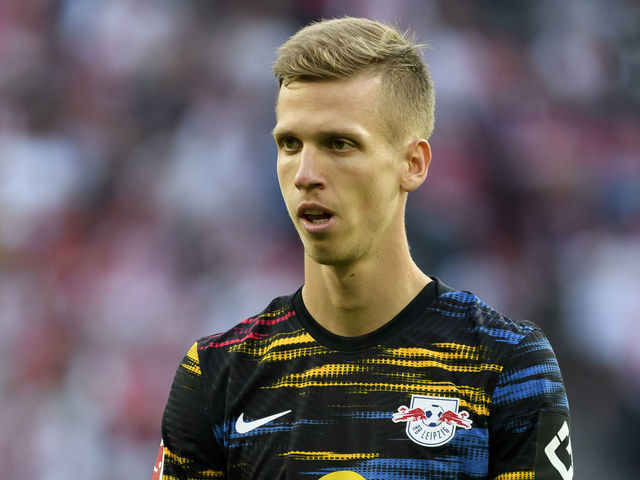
x=448, y=389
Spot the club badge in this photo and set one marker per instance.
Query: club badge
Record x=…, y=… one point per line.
x=432, y=421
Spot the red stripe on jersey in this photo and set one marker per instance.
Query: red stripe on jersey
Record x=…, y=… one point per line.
x=269, y=321
x=250, y=336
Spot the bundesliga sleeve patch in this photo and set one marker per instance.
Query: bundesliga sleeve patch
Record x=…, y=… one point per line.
x=553, y=448
x=159, y=465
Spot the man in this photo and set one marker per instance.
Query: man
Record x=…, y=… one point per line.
x=372, y=369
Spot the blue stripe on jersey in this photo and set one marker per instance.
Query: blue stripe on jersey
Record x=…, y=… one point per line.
x=272, y=428
x=501, y=335
x=463, y=297
x=518, y=424
x=447, y=312
x=534, y=346
x=368, y=415
x=472, y=447
x=531, y=388
x=458, y=305
x=220, y=433
x=545, y=369
x=471, y=439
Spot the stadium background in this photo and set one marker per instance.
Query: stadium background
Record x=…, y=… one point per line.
x=139, y=207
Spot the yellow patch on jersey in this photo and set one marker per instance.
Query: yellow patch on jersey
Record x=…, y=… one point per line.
x=450, y=351
x=275, y=313
x=193, y=361
x=264, y=348
x=516, y=476
x=342, y=475
x=203, y=475
x=285, y=355
x=300, y=455
x=435, y=364
x=330, y=370
x=170, y=457
x=449, y=356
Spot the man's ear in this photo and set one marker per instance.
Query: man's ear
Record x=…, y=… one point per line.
x=418, y=158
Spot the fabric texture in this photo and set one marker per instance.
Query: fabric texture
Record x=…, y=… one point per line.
x=448, y=389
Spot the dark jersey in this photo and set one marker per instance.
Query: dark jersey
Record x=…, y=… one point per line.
x=448, y=389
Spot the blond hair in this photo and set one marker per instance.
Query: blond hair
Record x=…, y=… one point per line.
x=346, y=47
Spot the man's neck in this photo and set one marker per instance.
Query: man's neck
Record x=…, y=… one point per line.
x=360, y=298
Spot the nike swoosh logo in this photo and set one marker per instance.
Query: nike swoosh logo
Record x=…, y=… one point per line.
x=244, y=427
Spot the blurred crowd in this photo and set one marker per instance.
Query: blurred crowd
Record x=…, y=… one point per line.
x=139, y=207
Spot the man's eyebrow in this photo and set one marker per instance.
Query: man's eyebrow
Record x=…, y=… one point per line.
x=280, y=133
x=329, y=133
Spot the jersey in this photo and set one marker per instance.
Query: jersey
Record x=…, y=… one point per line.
x=447, y=389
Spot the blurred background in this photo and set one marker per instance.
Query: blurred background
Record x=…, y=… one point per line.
x=139, y=207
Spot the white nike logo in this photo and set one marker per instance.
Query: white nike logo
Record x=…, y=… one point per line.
x=244, y=427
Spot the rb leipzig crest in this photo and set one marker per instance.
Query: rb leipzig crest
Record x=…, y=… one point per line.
x=432, y=421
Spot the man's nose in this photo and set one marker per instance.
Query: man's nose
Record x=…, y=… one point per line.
x=309, y=174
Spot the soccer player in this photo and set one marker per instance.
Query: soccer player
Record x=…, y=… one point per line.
x=373, y=369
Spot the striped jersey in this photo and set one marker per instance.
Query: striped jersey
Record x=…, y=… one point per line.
x=448, y=389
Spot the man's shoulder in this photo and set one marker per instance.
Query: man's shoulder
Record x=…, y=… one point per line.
x=273, y=319
x=478, y=318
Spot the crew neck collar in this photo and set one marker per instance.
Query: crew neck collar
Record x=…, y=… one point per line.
x=362, y=342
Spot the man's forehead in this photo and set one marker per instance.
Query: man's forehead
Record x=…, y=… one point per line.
x=367, y=76
x=347, y=99
x=325, y=91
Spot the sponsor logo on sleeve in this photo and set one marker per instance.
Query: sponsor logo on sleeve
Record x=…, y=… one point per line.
x=553, y=444
x=552, y=448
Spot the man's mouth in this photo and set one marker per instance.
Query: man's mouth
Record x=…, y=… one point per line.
x=316, y=216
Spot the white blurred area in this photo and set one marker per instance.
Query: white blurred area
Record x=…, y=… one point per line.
x=139, y=207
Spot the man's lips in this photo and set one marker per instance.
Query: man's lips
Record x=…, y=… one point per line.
x=315, y=218
x=313, y=210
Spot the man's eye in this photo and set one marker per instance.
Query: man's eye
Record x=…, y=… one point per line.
x=340, y=145
x=289, y=143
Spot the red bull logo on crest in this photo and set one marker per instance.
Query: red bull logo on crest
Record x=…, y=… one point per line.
x=432, y=421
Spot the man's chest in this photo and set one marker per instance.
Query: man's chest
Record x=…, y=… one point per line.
x=404, y=416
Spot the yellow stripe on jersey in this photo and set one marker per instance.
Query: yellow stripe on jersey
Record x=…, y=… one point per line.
x=528, y=475
x=452, y=351
x=453, y=357
x=193, y=361
x=170, y=457
x=284, y=355
x=173, y=458
x=480, y=367
x=298, y=455
x=475, y=399
x=264, y=349
x=275, y=313
x=326, y=371
x=205, y=475
x=461, y=351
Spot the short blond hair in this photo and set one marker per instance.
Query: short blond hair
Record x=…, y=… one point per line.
x=344, y=48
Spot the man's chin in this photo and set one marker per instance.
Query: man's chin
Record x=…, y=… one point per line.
x=328, y=257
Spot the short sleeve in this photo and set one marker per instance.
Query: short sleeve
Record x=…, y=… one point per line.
x=189, y=450
x=529, y=423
